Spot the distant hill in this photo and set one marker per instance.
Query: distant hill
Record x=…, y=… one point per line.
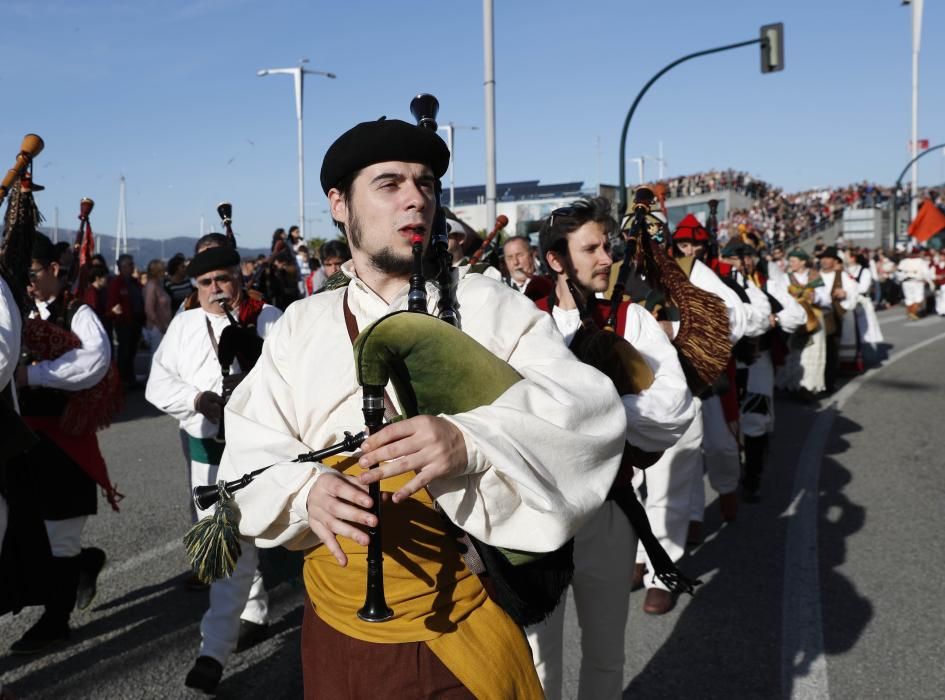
x=146, y=249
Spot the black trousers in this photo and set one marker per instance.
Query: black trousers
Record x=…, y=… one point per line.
x=128, y=337
x=833, y=361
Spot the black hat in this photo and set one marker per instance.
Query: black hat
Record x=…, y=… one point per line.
x=43, y=249
x=734, y=249
x=218, y=258
x=381, y=141
x=830, y=252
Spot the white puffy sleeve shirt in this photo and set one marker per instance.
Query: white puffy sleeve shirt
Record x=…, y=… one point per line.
x=81, y=368
x=658, y=416
x=704, y=278
x=541, y=458
x=186, y=364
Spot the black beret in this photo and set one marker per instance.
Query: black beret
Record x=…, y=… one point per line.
x=379, y=142
x=219, y=258
x=43, y=249
x=830, y=252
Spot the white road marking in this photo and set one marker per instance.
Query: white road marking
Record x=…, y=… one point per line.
x=140, y=559
x=803, y=662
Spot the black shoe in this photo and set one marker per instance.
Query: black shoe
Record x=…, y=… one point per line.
x=251, y=634
x=46, y=633
x=205, y=675
x=91, y=562
x=193, y=583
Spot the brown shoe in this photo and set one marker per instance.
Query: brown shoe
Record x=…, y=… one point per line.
x=639, y=571
x=728, y=504
x=694, y=536
x=658, y=601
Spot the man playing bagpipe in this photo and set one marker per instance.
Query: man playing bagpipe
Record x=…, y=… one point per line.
x=522, y=471
x=756, y=379
x=205, y=353
x=659, y=408
x=67, y=390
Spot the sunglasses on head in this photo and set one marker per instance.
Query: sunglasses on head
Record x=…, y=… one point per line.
x=219, y=279
x=567, y=212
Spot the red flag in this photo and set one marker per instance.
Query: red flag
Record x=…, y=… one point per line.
x=929, y=221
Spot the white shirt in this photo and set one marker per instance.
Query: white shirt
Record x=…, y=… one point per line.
x=11, y=328
x=658, y=416
x=81, y=368
x=758, y=309
x=792, y=315
x=186, y=364
x=863, y=278
x=704, y=278
x=541, y=458
x=823, y=295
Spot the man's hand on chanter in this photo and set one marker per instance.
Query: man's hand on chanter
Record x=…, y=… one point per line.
x=336, y=505
x=431, y=446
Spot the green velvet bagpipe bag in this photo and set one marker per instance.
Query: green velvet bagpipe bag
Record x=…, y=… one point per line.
x=437, y=369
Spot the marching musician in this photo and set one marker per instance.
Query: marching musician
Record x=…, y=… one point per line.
x=68, y=457
x=524, y=472
x=837, y=299
x=186, y=382
x=756, y=405
x=575, y=242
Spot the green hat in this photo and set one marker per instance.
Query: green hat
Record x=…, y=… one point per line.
x=799, y=254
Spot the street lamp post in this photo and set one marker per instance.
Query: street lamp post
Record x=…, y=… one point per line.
x=772, y=59
x=449, y=128
x=916, y=41
x=298, y=74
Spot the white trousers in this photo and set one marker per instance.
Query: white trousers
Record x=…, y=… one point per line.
x=65, y=536
x=913, y=292
x=719, y=448
x=940, y=301
x=603, y=567
x=669, y=485
x=242, y=596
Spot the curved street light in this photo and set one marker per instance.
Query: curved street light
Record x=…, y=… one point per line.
x=895, y=212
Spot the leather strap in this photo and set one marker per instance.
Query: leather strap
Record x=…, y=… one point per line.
x=351, y=324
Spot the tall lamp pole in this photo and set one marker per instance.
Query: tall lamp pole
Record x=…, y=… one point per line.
x=916, y=41
x=489, y=85
x=298, y=73
x=772, y=59
x=450, y=128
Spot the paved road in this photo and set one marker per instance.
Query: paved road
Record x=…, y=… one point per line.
x=828, y=588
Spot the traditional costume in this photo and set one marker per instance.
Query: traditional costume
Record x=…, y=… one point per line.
x=915, y=276
x=541, y=459
x=185, y=365
x=837, y=316
x=72, y=390
x=605, y=548
x=807, y=347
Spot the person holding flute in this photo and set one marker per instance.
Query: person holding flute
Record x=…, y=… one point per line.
x=188, y=382
x=523, y=472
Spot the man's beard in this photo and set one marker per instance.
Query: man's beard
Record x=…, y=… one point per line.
x=386, y=259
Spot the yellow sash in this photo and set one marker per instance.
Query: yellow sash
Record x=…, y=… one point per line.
x=435, y=598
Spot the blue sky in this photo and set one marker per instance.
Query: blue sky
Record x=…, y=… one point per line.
x=167, y=93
